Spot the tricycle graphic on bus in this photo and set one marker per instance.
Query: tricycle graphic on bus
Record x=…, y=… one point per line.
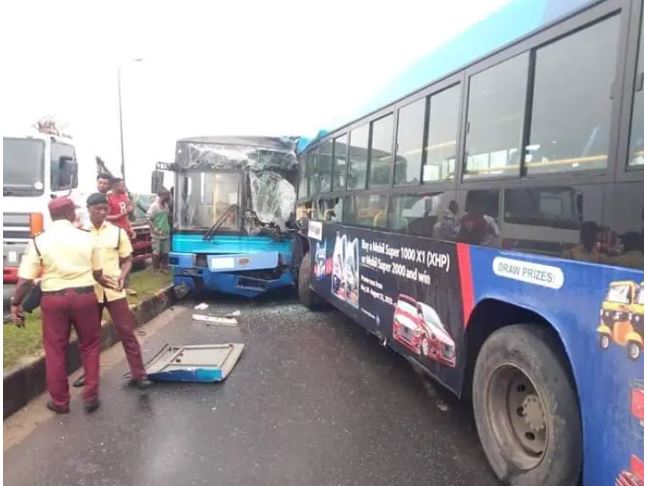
x=418, y=327
x=622, y=317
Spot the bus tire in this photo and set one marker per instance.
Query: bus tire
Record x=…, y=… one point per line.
x=526, y=409
x=306, y=296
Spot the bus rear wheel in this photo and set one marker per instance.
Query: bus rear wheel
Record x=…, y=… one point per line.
x=526, y=409
x=306, y=296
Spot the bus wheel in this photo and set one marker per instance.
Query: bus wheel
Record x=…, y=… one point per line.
x=633, y=350
x=306, y=296
x=526, y=409
x=604, y=341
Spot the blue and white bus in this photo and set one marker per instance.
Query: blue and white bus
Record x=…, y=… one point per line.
x=488, y=225
x=234, y=202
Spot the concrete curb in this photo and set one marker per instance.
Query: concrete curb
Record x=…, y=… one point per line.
x=28, y=381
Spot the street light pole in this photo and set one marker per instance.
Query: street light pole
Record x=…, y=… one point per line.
x=121, y=124
x=121, y=120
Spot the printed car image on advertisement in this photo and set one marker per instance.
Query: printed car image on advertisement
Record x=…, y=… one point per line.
x=622, y=317
x=634, y=476
x=418, y=327
x=638, y=404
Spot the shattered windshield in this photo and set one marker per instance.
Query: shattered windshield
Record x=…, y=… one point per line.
x=213, y=174
x=273, y=197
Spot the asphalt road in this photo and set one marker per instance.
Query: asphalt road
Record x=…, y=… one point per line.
x=314, y=400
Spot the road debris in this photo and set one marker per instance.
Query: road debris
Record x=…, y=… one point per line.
x=201, y=363
x=442, y=406
x=201, y=306
x=223, y=321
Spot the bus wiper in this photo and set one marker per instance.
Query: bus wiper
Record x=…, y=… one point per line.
x=211, y=231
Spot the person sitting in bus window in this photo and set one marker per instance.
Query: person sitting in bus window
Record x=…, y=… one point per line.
x=632, y=256
x=587, y=250
x=478, y=229
x=449, y=225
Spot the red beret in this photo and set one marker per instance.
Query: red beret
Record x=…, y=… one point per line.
x=60, y=206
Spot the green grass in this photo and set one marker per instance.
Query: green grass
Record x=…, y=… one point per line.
x=20, y=345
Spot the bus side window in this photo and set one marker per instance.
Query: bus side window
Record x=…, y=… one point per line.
x=422, y=215
x=330, y=210
x=637, y=139
x=624, y=232
x=479, y=218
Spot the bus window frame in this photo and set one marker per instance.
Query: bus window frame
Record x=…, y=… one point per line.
x=528, y=46
x=333, y=172
x=624, y=172
x=426, y=93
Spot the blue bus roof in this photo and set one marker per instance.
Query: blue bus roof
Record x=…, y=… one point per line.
x=511, y=22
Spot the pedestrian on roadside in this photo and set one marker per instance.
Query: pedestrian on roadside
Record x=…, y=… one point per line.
x=69, y=263
x=120, y=208
x=103, y=186
x=116, y=261
x=158, y=219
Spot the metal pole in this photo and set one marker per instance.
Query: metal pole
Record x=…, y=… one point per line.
x=121, y=124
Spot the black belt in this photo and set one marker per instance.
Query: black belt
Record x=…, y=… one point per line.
x=77, y=290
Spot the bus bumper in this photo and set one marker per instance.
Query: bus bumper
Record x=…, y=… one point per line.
x=248, y=275
x=245, y=284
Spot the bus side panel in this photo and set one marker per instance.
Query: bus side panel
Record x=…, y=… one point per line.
x=405, y=289
x=596, y=310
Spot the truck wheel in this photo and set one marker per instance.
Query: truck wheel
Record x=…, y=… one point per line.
x=633, y=350
x=604, y=341
x=306, y=296
x=526, y=409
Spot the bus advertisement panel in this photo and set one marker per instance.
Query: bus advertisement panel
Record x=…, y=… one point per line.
x=417, y=295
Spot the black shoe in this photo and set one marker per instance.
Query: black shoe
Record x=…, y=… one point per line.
x=57, y=409
x=142, y=384
x=80, y=381
x=91, y=405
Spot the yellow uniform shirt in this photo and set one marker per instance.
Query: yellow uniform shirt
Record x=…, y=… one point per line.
x=67, y=258
x=113, y=243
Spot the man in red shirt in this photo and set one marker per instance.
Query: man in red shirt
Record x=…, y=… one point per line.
x=120, y=206
x=119, y=209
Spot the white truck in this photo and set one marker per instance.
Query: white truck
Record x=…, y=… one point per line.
x=37, y=167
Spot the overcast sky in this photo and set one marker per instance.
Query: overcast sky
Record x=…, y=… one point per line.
x=208, y=68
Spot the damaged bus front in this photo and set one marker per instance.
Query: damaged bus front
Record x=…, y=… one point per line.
x=233, y=215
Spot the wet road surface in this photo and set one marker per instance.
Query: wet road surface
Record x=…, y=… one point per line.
x=314, y=400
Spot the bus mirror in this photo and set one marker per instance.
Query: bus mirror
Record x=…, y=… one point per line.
x=157, y=181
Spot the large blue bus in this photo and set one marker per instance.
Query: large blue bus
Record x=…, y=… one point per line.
x=233, y=216
x=488, y=226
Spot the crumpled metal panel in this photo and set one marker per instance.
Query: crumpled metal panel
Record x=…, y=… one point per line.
x=202, y=363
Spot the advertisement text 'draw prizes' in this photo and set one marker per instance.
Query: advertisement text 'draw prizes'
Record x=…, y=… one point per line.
x=528, y=272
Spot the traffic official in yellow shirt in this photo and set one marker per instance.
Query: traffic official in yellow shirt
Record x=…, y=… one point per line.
x=116, y=261
x=69, y=263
